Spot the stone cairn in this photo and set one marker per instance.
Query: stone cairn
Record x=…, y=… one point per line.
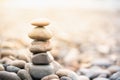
x=43, y=66
x=42, y=60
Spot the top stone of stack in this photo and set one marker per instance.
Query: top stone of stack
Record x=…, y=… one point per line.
x=40, y=22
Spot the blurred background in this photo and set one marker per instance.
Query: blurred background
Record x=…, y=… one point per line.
x=80, y=27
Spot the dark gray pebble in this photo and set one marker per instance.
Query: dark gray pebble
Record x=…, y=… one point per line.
x=4, y=75
x=12, y=69
x=24, y=75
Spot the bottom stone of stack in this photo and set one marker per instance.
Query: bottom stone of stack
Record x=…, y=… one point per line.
x=39, y=71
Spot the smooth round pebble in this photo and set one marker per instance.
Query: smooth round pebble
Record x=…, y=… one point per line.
x=50, y=77
x=2, y=67
x=23, y=57
x=89, y=73
x=40, y=34
x=65, y=78
x=100, y=79
x=40, y=46
x=5, y=60
x=24, y=75
x=40, y=22
x=39, y=71
x=56, y=65
x=42, y=58
x=68, y=73
x=18, y=63
x=115, y=76
x=102, y=63
x=103, y=75
x=83, y=78
x=12, y=69
x=114, y=68
x=4, y=75
x=27, y=66
x=7, y=45
x=7, y=52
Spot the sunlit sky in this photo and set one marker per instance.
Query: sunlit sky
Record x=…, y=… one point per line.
x=86, y=4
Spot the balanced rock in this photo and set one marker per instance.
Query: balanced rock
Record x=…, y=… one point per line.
x=41, y=59
x=24, y=75
x=4, y=75
x=40, y=22
x=40, y=46
x=39, y=71
x=39, y=33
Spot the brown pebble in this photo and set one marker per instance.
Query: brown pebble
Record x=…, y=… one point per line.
x=68, y=73
x=18, y=63
x=5, y=60
x=7, y=52
x=40, y=22
x=23, y=57
x=40, y=34
x=40, y=46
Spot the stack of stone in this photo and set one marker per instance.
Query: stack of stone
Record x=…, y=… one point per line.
x=42, y=60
